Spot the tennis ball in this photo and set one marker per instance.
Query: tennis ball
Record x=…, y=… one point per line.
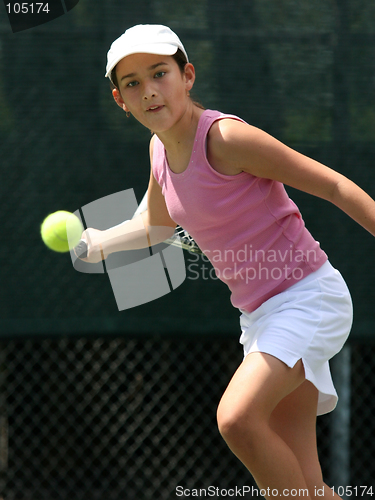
x=61, y=231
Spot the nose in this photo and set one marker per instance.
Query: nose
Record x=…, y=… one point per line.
x=148, y=95
x=149, y=91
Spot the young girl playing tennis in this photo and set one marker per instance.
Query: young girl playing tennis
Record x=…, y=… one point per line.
x=222, y=180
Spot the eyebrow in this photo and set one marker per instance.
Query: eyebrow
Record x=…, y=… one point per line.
x=153, y=66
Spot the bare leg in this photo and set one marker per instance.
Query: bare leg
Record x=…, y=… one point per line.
x=294, y=420
x=253, y=420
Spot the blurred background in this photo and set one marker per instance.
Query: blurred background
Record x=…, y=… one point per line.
x=97, y=403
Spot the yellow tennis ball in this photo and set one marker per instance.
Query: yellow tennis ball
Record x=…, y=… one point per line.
x=61, y=231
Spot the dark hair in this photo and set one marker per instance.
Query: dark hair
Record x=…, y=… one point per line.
x=181, y=61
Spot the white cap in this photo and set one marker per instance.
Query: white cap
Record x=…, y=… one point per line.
x=145, y=39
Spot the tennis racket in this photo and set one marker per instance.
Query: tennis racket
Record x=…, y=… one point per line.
x=180, y=237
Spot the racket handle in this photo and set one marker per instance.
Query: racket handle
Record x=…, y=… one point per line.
x=81, y=249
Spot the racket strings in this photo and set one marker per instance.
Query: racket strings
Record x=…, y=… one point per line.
x=183, y=239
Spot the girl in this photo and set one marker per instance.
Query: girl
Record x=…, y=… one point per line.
x=222, y=180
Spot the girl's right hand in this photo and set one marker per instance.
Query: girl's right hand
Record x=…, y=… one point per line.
x=94, y=239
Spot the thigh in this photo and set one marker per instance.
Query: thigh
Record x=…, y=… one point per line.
x=259, y=384
x=294, y=420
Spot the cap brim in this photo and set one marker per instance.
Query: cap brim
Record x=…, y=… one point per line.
x=157, y=49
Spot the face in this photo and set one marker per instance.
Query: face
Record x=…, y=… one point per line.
x=153, y=89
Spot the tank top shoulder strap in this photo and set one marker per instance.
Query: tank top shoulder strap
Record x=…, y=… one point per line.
x=158, y=159
x=208, y=118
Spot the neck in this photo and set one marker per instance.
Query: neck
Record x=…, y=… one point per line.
x=183, y=132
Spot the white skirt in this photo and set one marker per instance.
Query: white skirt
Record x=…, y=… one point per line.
x=311, y=321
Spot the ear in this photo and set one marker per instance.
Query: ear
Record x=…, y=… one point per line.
x=119, y=100
x=189, y=76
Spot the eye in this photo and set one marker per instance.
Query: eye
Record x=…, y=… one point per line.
x=132, y=84
x=159, y=74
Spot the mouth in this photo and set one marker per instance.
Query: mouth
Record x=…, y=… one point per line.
x=155, y=108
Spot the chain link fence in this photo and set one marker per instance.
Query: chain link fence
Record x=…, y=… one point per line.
x=136, y=419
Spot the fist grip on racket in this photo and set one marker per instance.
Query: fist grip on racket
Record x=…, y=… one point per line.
x=81, y=249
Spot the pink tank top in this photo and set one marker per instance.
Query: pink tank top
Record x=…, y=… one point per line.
x=247, y=226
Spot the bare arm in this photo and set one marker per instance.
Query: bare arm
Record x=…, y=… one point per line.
x=241, y=147
x=149, y=228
